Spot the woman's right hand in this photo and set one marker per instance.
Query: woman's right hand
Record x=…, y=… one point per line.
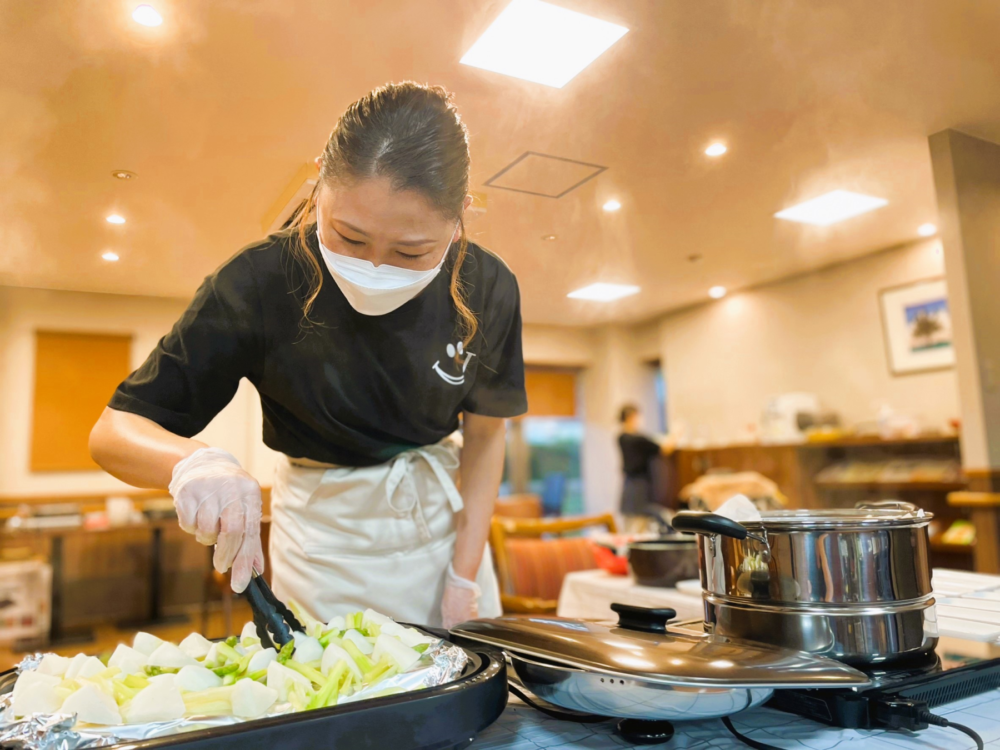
x=219, y=502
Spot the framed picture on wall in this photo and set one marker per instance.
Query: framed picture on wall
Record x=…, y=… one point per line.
x=917, y=327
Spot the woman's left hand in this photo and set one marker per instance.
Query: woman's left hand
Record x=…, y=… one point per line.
x=460, y=601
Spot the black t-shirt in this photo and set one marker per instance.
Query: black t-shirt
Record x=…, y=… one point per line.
x=637, y=452
x=350, y=389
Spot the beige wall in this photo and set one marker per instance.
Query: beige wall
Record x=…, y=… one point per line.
x=819, y=333
x=23, y=311
x=146, y=319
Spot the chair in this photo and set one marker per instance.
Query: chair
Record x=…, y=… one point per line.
x=518, y=506
x=531, y=568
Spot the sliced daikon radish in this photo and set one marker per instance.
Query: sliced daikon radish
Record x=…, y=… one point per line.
x=281, y=678
x=261, y=659
x=334, y=654
x=146, y=643
x=87, y=666
x=212, y=657
x=378, y=618
x=53, y=664
x=336, y=623
x=167, y=678
x=193, y=679
x=35, y=693
x=168, y=656
x=196, y=646
x=363, y=644
x=249, y=635
x=160, y=701
x=251, y=699
x=128, y=660
x=404, y=656
x=307, y=648
x=409, y=636
x=29, y=679
x=92, y=706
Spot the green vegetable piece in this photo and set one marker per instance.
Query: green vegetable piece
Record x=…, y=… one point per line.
x=308, y=672
x=228, y=669
x=230, y=653
x=391, y=671
x=259, y=675
x=229, y=679
x=136, y=682
x=327, y=695
x=231, y=641
x=421, y=647
x=152, y=671
x=363, y=662
x=121, y=692
x=286, y=652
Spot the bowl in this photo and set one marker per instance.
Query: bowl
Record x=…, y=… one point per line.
x=663, y=562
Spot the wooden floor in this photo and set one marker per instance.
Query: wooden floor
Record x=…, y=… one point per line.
x=106, y=637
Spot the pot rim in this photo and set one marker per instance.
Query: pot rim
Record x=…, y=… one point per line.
x=832, y=609
x=838, y=518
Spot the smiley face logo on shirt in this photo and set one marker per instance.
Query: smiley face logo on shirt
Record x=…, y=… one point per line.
x=454, y=350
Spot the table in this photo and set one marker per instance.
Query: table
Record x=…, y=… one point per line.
x=58, y=633
x=522, y=728
x=588, y=594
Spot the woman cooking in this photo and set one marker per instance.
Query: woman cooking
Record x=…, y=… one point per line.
x=371, y=329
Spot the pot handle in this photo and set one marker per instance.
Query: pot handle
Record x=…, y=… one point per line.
x=646, y=619
x=698, y=522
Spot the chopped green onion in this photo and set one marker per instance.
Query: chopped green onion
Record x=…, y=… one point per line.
x=231, y=641
x=286, y=652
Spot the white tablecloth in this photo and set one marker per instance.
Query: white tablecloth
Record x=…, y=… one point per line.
x=588, y=594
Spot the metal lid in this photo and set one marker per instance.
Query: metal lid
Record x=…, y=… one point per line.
x=671, y=658
x=840, y=518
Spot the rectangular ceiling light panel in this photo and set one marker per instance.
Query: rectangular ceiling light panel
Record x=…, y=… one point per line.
x=542, y=43
x=601, y=292
x=832, y=207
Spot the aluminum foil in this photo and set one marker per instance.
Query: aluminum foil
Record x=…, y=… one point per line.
x=442, y=662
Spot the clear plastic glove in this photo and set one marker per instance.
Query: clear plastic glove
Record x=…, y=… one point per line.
x=460, y=601
x=218, y=502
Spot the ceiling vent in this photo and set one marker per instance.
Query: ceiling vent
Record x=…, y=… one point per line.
x=544, y=175
x=291, y=200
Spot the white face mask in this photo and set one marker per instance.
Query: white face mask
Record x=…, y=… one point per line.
x=371, y=289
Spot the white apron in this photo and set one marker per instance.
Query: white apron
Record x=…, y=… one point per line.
x=344, y=539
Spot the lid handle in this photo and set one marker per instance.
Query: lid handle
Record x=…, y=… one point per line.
x=646, y=619
x=698, y=522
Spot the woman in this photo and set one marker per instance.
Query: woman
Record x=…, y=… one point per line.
x=638, y=452
x=369, y=328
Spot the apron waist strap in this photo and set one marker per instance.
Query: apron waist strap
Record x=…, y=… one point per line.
x=407, y=501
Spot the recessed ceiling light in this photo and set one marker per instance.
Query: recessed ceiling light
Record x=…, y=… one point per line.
x=612, y=205
x=110, y=256
x=542, y=43
x=717, y=292
x=926, y=230
x=549, y=237
x=604, y=292
x=716, y=149
x=831, y=207
x=115, y=219
x=147, y=16
x=123, y=174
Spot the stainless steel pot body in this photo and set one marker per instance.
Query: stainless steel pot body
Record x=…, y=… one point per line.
x=852, y=585
x=629, y=698
x=858, y=635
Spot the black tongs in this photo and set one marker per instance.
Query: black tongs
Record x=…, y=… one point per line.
x=274, y=621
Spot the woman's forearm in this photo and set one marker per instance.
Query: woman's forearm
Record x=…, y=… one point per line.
x=481, y=471
x=137, y=450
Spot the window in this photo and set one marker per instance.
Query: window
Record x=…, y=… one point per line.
x=543, y=447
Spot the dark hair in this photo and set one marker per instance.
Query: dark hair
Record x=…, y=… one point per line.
x=627, y=412
x=413, y=135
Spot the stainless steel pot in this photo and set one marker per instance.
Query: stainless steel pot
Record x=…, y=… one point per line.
x=641, y=668
x=852, y=584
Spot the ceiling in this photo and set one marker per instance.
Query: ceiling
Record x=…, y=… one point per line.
x=217, y=109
